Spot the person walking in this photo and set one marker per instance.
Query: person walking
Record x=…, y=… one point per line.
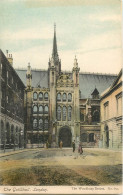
x=80, y=150
x=61, y=144
x=73, y=145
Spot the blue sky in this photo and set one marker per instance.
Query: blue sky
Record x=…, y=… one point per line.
x=91, y=30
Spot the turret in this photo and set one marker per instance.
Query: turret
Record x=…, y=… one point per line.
x=75, y=63
x=29, y=76
x=76, y=70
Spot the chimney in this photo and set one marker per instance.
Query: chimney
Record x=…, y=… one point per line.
x=10, y=58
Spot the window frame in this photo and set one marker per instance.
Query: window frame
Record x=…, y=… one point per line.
x=40, y=98
x=70, y=112
x=64, y=118
x=69, y=99
x=33, y=109
x=46, y=97
x=64, y=99
x=35, y=99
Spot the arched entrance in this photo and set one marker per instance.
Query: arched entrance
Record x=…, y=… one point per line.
x=107, y=136
x=12, y=134
x=66, y=136
x=7, y=133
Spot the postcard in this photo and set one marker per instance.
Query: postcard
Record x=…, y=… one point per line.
x=60, y=97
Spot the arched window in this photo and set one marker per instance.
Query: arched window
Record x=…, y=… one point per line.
x=59, y=113
x=59, y=97
x=64, y=113
x=46, y=109
x=2, y=125
x=17, y=136
x=81, y=117
x=84, y=137
x=64, y=97
x=7, y=133
x=46, y=96
x=69, y=113
x=40, y=96
x=16, y=85
x=96, y=116
x=35, y=96
x=12, y=134
x=12, y=80
x=2, y=132
x=7, y=99
x=35, y=109
x=69, y=97
x=7, y=77
x=40, y=123
x=46, y=124
x=41, y=109
x=35, y=123
x=16, y=129
x=1, y=67
x=91, y=137
x=1, y=70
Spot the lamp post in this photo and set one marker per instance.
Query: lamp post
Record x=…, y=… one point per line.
x=43, y=137
x=38, y=138
x=53, y=124
x=22, y=133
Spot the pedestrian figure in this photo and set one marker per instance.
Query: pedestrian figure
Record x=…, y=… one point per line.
x=80, y=150
x=47, y=144
x=61, y=144
x=73, y=144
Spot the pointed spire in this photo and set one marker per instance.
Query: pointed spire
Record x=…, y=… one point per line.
x=29, y=76
x=54, y=53
x=28, y=65
x=75, y=62
x=29, y=69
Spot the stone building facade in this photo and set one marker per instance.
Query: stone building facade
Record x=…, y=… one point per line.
x=62, y=105
x=11, y=105
x=53, y=112
x=111, y=115
x=90, y=120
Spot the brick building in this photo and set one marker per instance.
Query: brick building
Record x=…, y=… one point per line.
x=11, y=105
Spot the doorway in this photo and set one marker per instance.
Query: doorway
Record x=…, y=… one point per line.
x=65, y=136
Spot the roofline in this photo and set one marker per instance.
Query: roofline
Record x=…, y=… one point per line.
x=11, y=67
x=115, y=81
x=110, y=91
x=112, y=87
x=90, y=73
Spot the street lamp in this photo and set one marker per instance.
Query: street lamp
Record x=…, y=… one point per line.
x=53, y=125
x=21, y=133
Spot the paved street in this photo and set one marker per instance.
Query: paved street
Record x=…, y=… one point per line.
x=60, y=167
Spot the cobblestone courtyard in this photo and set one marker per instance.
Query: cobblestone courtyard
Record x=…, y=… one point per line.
x=61, y=167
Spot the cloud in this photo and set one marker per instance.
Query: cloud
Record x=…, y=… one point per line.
x=53, y=3
x=98, y=53
x=37, y=56
x=28, y=34
x=96, y=61
x=102, y=41
x=100, y=61
x=106, y=18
